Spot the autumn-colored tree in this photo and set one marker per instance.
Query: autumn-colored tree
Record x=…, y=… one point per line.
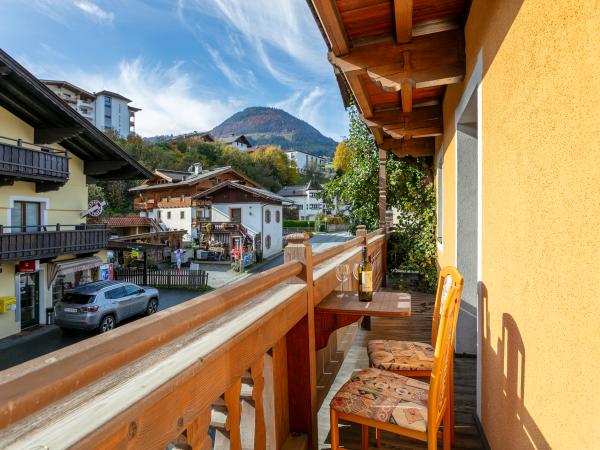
x=341, y=160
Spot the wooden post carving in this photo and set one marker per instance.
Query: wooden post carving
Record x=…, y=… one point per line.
x=301, y=352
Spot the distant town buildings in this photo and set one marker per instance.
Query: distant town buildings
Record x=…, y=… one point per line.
x=238, y=141
x=105, y=109
x=306, y=198
x=304, y=160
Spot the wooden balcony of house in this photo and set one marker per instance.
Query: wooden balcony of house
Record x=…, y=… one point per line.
x=20, y=161
x=253, y=362
x=141, y=205
x=49, y=241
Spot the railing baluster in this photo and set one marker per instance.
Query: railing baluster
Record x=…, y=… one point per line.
x=197, y=432
x=232, y=402
x=258, y=385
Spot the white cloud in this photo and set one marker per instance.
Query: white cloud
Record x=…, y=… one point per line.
x=239, y=76
x=94, y=11
x=304, y=104
x=271, y=28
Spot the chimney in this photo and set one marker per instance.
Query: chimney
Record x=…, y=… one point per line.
x=195, y=168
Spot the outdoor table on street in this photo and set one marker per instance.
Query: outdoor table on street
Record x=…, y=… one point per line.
x=335, y=312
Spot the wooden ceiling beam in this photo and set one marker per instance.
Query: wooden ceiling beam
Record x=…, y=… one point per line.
x=403, y=15
x=330, y=18
x=421, y=122
x=431, y=60
x=360, y=95
x=412, y=147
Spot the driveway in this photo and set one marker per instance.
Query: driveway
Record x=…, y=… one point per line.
x=29, y=345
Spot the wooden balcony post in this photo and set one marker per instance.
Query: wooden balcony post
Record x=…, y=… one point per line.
x=301, y=351
x=382, y=209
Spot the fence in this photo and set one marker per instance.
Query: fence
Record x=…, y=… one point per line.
x=166, y=278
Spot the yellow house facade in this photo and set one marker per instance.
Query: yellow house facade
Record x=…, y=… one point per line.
x=509, y=113
x=48, y=155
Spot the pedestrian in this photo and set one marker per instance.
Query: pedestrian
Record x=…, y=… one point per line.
x=178, y=259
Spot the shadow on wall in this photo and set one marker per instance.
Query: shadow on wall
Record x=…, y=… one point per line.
x=505, y=381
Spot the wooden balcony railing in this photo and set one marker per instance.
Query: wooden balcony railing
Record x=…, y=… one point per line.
x=48, y=241
x=241, y=358
x=48, y=168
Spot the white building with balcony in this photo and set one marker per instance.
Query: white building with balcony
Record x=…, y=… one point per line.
x=105, y=109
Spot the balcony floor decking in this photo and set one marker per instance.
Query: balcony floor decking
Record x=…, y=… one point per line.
x=414, y=328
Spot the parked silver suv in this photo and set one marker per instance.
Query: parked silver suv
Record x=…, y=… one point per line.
x=102, y=304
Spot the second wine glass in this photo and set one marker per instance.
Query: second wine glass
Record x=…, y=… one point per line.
x=342, y=272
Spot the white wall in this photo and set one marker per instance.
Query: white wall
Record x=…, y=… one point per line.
x=176, y=222
x=307, y=212
x=303, y=160
x=119, y=115
x=253, y=219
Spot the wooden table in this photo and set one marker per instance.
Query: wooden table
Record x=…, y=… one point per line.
x=335, y=312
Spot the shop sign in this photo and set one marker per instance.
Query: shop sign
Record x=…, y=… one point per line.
x=106, y=272
x=29, y=266
x=135, y=252
x=95, y=208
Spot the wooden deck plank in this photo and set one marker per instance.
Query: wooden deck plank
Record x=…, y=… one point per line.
x=414, y=328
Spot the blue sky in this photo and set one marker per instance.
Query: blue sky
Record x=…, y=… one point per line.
x=188, y=64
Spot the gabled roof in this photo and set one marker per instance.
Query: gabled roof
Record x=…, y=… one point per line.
x=235, y=138
x=172, y=175
x=257, y=192
x=296, y=190
x=54, y=121
x=194, y=179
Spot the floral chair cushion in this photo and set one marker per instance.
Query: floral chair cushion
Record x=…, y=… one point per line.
x=400, y=355
x=385, y=397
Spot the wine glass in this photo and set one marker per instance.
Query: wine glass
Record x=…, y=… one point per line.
x=342, y=271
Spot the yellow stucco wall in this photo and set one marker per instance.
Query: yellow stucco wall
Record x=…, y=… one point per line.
x=540, y=218
x=63, y=206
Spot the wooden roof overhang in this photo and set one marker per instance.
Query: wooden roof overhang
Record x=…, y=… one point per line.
x=56, y=122
x=394, y=58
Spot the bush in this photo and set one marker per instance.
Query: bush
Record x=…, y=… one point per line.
x=303, y=224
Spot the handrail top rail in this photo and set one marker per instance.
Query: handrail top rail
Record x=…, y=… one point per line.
x=69, y=369
x=33, y=147
x=51, y=228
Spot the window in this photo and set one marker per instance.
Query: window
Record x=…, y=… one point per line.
x=268, y=241
x=158, y=214
x=267, y=215
x=131, y=289
x=182, y=214
x=236, y=215
x=107, y=101
x=114, y=294
x=26, y=215
x=277, y=216
x=168, y=214
x=440, y=195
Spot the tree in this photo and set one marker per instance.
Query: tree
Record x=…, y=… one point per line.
x=409, y=189
x=341, y=159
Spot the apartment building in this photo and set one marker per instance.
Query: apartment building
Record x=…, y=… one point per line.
x=105, y=109
x=49, y=153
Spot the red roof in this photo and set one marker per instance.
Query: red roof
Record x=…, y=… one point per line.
x=127, y=221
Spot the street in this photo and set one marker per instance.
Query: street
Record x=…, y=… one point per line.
x=18, y=349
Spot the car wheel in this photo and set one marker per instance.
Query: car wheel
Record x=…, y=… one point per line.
x=152, y=306
x=107, y=323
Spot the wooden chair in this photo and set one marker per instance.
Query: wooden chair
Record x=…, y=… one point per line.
x=405, y=406
x=415, y=359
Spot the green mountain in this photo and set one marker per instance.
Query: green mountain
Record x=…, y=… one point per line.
x=262, y=125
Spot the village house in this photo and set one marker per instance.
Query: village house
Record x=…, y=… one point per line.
x=305, y=161
x=238, y=141
x=167, y=196
x=306, y=199
x=243, y=215
x=48, y=154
